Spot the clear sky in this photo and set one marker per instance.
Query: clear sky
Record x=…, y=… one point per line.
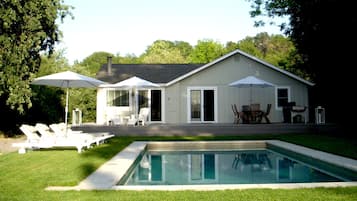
x=130, y=26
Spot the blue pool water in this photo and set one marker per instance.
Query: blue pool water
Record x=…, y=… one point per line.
x=222, y=167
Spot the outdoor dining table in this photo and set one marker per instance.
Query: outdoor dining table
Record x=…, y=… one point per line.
x=251, y=113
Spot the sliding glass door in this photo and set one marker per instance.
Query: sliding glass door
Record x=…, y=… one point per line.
x=202, y=104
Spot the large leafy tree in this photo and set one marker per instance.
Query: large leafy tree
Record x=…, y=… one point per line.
x=163, y=51
x=206, y=51
x=275, y=49
x=27, y=29
x=323, y=32
x=47, y=102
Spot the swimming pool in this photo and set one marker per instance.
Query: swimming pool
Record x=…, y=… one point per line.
x=223, y=167
x=202, y=166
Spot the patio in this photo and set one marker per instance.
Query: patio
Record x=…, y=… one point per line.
x=209, y=129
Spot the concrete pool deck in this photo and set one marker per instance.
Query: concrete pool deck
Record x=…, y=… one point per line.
x=108, y=175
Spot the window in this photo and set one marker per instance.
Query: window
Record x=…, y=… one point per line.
x=119, y=98
x=282, y=96
x=195, y=105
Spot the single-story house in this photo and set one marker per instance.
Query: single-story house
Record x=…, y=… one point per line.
x=198, y=93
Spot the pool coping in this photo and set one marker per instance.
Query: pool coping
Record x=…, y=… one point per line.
x=107, y=176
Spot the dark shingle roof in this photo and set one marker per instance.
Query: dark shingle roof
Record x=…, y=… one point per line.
x=157, y=73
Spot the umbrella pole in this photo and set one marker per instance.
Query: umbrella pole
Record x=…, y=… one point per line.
x=66, y=110
x=251, y=91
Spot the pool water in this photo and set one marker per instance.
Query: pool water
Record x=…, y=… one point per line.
x=222, y=167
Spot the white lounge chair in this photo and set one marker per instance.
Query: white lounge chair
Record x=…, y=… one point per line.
x=33, y=140
x=61, y=140
x=46, y=139
x=96, y=137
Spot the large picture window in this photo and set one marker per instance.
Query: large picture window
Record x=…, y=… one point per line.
x=118, y=98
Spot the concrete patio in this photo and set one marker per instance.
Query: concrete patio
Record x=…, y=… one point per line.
x=209, y=129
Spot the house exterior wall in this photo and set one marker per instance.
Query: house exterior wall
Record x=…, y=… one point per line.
x=101, y=103
x=106, y=113
x=219, y=76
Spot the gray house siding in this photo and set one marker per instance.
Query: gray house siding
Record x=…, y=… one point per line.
x=210, y=80
x=219, y=76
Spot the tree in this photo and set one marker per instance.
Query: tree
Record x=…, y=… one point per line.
x=129, y=59
x=163, y=51
x=94, y=61
x=83, y=98
x=206, y=51
x=275, y=49
x=47, y=102
x=27, y=28
x=321, y=31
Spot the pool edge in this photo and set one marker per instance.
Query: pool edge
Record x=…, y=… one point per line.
x=105, y=178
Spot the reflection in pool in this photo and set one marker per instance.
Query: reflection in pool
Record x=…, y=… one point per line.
x=222, y=167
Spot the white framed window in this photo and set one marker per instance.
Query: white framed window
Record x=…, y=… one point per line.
x=118, y=98
x=282, y=96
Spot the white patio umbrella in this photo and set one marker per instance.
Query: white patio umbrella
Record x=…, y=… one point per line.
x=134, y=83
x=251, y=82
x=67, y=80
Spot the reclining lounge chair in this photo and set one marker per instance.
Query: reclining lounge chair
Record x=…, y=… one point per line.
x=61, y=130
x=33, y=140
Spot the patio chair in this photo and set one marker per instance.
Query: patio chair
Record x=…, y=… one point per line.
x=141, y=119
x=143, y=116
x=246, y=114
x=265, y=115
x=236, y=114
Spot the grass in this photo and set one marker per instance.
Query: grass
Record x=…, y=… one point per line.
x=24, y=177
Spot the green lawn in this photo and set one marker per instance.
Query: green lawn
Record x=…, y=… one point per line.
x=24, y=177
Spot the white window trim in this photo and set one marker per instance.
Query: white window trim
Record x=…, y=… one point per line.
x=202, y=88
x=276, y=96
x=116, y=89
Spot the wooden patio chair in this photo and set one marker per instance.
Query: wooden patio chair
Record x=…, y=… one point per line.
x=236, y=114
x=246, y=114
x=265, y=114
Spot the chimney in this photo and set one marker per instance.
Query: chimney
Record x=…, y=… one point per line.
x=109, y=65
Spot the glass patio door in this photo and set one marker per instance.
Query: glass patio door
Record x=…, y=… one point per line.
x=202, y=105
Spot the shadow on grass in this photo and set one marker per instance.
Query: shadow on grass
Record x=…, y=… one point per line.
x=87, y=169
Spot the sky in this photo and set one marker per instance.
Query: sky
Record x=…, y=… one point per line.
x=130, y=26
